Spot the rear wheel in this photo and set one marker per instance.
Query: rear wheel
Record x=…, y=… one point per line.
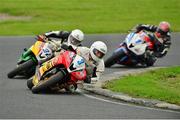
x=45, y=84
x=113, y=59
x=22, y=67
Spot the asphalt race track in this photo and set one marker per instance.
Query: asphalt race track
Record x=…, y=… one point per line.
x=16, y=101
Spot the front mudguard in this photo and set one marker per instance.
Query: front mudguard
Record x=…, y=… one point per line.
x=27, y=55
x=129, y=58
x=124, y=51
x=149, y=58
x=117, y=55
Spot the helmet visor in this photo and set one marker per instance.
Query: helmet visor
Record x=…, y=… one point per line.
x=98, y=53
x=161, y=32
x=74, y=41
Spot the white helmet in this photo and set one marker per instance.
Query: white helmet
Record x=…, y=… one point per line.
x=97, y=50
x=75, y=38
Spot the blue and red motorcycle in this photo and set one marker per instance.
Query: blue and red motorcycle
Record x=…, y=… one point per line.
x=136, y=49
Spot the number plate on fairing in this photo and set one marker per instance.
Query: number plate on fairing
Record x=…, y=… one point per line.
x=45, y=53
x=77, y=64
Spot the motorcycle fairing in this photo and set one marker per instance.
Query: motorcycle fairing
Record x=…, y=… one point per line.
x=136, y=43
x=66, y=58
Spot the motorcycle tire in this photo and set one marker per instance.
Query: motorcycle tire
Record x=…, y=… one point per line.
x=45, y=84
x=68, y=90
x=30, y=83
x=150, y=63
x=113, y=59
x=151, y=59
x=22, y=67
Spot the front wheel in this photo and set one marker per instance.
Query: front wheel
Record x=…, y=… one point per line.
x=150, y=59
x=150, y=62
x=114, y=58
x=22, y=67
x=45, y=84
x=30, y=83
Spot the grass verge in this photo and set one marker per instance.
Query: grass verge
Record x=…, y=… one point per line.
x=92, y=16
x=162, y=84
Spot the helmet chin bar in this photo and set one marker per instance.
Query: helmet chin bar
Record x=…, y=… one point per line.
x=91, y=59
x=95, y=58
x=98, y=53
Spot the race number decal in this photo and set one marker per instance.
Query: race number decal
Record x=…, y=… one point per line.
x=80, y=62
x=45, y=53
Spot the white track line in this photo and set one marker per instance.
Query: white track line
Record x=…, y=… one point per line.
x=125, y=104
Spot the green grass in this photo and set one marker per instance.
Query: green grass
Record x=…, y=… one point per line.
x=162, y=84
x=92, y=16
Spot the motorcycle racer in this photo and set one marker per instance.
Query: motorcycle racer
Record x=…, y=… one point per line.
x=93, y=58
x=161, y=37
x=136, y=49
x=73, y=39
x=61, y=72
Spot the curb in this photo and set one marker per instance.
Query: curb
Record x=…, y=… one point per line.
x=97, y=89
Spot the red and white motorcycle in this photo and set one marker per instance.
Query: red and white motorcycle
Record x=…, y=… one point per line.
x=69, y=68
x=136, y=49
